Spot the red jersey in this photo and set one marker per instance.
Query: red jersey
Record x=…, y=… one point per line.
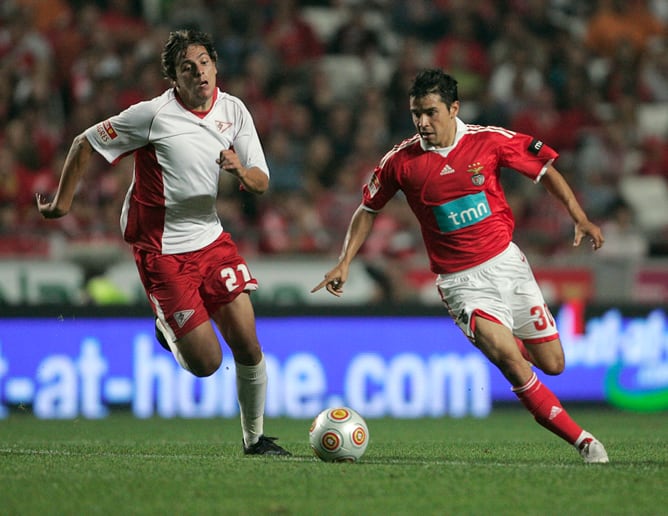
x=456, y=193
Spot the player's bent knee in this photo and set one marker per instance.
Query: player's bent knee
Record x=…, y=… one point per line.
x=204, y=369
x=552, y=367
x=549, y=357
x=205, y=366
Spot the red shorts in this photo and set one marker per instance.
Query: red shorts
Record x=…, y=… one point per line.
x=185, y=289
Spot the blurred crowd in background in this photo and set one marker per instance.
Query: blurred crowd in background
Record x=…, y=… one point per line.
x=326, y=82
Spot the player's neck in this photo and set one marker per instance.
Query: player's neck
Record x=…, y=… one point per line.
x=199, y=110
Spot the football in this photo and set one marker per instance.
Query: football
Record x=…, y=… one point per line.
x=339, y=434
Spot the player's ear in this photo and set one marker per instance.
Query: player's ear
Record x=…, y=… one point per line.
x=454, y=108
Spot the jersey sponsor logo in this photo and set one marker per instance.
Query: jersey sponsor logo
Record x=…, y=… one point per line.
x=106, y=131
x=374, y=185
x=108, y=128
x=181, y=317
x=447, y=169
x=462, y=212
x=223, y=126
x=535, y=146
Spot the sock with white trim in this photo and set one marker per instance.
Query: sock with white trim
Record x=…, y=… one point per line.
x=547, y=410
x=252, y=394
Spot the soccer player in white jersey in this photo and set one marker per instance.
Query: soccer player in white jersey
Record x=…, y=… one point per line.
x=182, y=141
x=449, y=173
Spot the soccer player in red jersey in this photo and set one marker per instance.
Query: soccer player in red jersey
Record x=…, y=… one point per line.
x=449, y=173
x=182, y=141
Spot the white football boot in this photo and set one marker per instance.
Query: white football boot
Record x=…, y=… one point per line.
x=591, y=449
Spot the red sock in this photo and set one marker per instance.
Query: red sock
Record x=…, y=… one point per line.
x=547, y=410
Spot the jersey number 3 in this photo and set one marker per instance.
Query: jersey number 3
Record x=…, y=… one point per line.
x=543, y=317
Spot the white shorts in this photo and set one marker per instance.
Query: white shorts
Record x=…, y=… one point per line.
x=504, y=290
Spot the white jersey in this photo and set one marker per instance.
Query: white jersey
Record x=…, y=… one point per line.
x=170, y=206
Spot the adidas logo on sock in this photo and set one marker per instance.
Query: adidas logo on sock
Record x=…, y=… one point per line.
x=555, y=411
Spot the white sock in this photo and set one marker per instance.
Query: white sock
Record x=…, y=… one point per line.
x=171, y=342
x=252, y=394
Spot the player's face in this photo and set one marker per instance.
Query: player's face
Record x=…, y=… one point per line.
x=436, y=123
x=196, y=78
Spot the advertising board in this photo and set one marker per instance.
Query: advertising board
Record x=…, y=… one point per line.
x=394, y=366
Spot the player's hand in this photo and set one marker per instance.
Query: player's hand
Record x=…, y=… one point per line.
x=591, y=230
x=48, y=209
x=229, y=162
x=334, y=281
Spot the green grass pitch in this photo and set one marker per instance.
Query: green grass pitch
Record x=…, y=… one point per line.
x=504, y=464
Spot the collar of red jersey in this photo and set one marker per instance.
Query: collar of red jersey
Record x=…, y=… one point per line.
x=461, y=130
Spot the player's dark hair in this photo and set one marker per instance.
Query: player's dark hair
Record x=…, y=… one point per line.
x=436, y=81
x=178, y=44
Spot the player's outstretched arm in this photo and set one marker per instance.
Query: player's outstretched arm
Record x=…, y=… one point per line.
x=556, y=184
x=76, y=163
x=358, y=231
x=253, y=179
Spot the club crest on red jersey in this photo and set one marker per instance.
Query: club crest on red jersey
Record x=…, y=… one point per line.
x=476, y=169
